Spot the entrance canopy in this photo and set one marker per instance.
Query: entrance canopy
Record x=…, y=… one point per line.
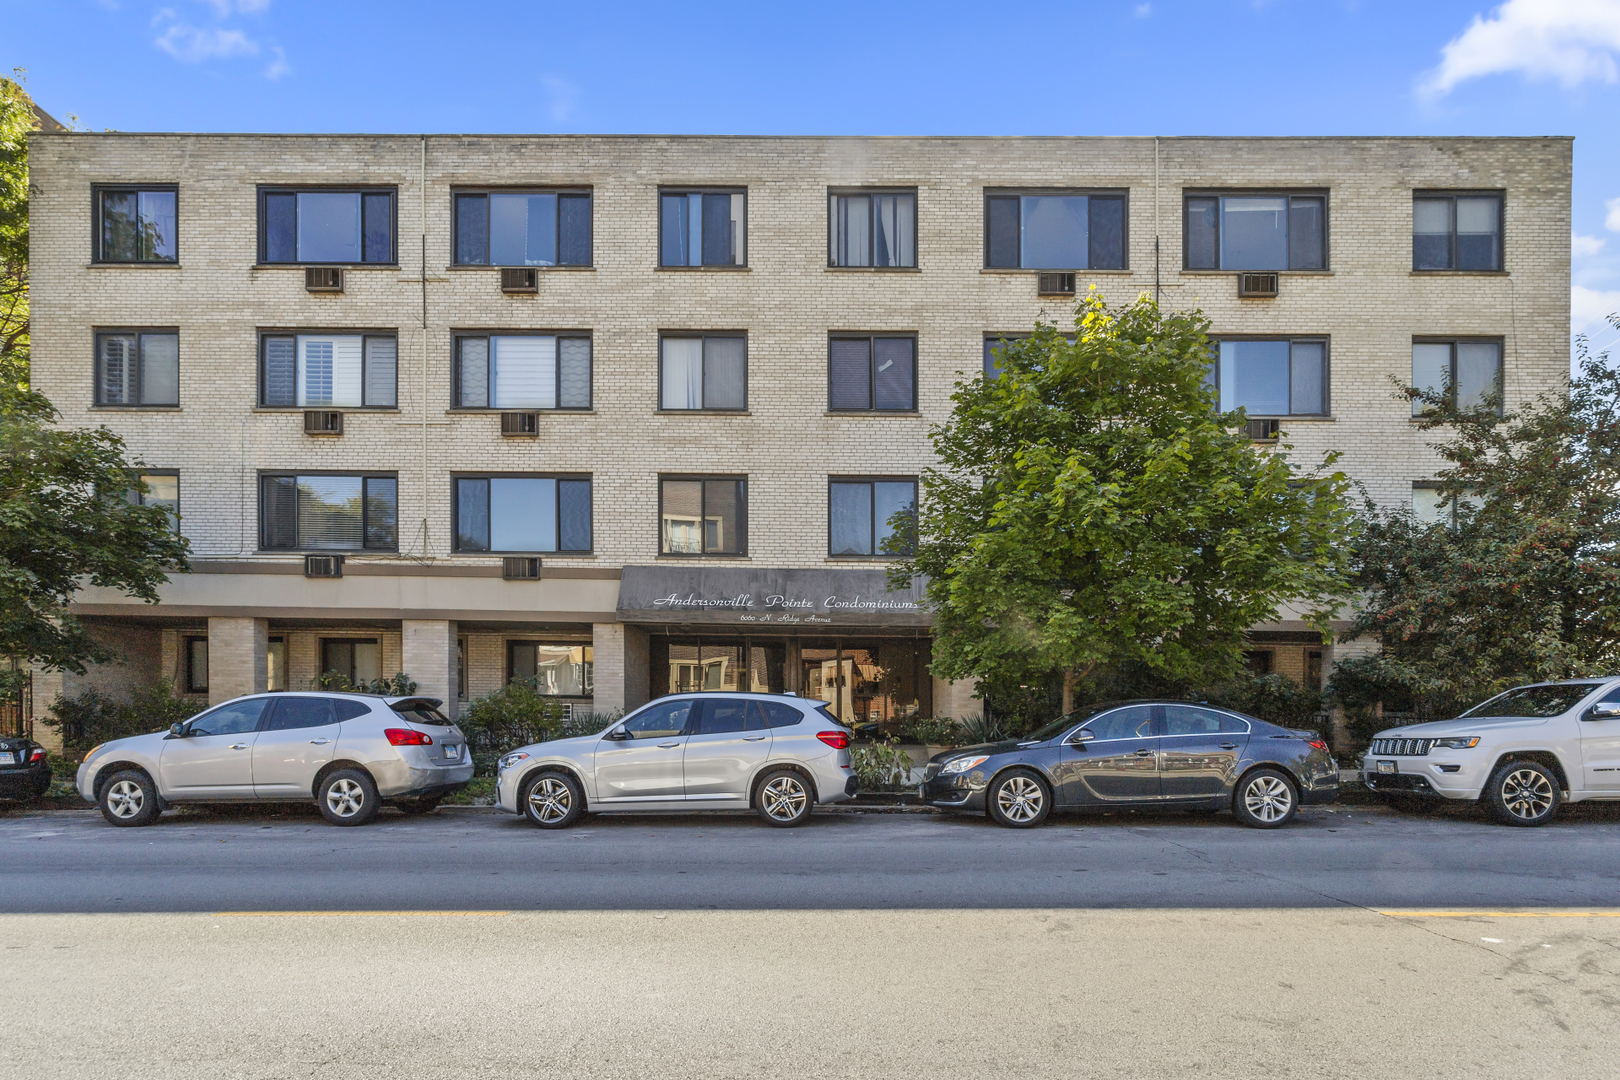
x=783, y=600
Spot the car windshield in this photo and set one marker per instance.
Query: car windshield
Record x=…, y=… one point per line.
x=420, y=712
x=1532, y=701
x=1064, y=723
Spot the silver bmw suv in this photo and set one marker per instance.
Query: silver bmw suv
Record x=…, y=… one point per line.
x=774, y=753
x=348, y=752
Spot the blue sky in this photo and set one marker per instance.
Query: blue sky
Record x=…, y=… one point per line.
x=1108, y=67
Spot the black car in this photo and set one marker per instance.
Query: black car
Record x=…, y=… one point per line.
x=24, y=772
x=1138, y=754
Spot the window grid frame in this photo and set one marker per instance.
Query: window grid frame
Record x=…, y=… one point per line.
x=364, y=335
x=298, y=549
x=871, y=227
x=456, y=192
x=1468, y=339
x=97, y=256
x=559, y=552
x=1123, y=194
x=702, y=189
x=458, y=336
x=1452, y=195
x=872, y=338
x=703, y=515
x=140, y=332
x=1325, y=340
x=1325, y=194
x=392, y=190
x=870, y=481
x=141, y=474
x=703, y=336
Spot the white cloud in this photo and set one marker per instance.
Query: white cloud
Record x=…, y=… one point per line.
x=279, y=66
x=1611, y=221
x=561, y=96
x=1573, y=41
x=1589, y=307
x=1585, y=245
x=1143, y=10
x=222, y=8
x=189, y=44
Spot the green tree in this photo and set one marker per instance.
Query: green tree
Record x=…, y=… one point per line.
x=1521, y=582
x=16, y=121
x=1092, y=511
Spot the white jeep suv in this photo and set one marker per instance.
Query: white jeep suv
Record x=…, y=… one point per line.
x=1524, y=752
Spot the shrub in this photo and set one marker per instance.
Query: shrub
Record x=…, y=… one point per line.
x=401, y=685
x=1275, y=698
x=935, y=731
x=880, y=764
x=512, y=716
x=92, y=717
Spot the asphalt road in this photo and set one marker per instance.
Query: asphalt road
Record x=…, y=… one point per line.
x=71, y=861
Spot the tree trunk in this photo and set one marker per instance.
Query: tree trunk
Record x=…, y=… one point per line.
x=1068, y=691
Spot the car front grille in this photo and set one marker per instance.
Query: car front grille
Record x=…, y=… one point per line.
x=1400, y=747
x=931, y=771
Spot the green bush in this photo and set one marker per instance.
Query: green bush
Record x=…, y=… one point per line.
x=512, y=716
x=401, y=685
x=933, y=731
x=1275, y=698
x=881, y=764
x=92, y=717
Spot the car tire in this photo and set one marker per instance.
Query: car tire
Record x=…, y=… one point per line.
x=551, y=800
x=417, y=807
x=129, y=798
x=785, y=798
x=1018, y=799
x=1265, y=799
x=348, y=797
x=1524, y=793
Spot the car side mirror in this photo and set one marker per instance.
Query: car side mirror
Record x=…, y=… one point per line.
x=618, y=734
x=1605, y=710
x=1081, y=736
x=177, y=730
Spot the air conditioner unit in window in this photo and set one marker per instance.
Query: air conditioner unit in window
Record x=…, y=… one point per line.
x=1257, y=285
x=323, y=566
x=520, y=424
x=323, y=422
x=1050, y=284
x=1262, y=430
x=521, y=568
x=520, y=279
x=323, y=278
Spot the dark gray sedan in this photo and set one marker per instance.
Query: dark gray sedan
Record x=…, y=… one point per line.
x=1139, y=754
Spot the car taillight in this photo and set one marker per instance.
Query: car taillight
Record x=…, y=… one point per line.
x=38, y=755
x=406, y=737
x=1316, y=744
x=835, y=739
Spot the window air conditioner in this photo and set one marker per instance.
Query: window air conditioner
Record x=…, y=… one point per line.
x=520, y=279
x=323, y=278
x=521, y=568
x=1257, y=285
x=1262, y=430
x=520, y=424
x=323, y=422
x=1050, y=284
x=323, y=566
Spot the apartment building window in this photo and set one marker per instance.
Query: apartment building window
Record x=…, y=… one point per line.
x=136, y=224
x=311, y=512
x=871, y=373
x=523, y=513
x=358, y=660
x=701, y=515
x=872, y=228
x=137, y=367
x=351, y=371
x=708, y=371
x=703, y=228
x=1276, y=231
x=523, y=228
x=1272, y=376
x=196, y=664
x=1468, y=373
x=523, y=371
x=461, y=668
x=871, y=515
x=993, y=345
x=1456, y=232
x=1054, y=230
x=343, y=226
x=555, y=669
x=275, y=658
x=1433, y=505
x=161, y=489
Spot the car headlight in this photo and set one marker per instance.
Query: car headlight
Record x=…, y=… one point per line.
x=512, y=759
x=962, y=764
x=1457, y=742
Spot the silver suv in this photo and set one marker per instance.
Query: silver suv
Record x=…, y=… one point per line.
x=777, y=754
x=348, y=752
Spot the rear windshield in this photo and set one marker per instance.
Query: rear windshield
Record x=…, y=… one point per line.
x=420, y=712
x=1533, y=701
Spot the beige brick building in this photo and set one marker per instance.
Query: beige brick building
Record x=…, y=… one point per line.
x=171, y=304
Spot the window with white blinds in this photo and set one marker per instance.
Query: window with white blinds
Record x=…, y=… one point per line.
x=302, y=512
x=135, y=367
x=703, y=372
x=523, y=371
x=320, y=371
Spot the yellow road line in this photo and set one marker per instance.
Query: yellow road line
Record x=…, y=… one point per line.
x=1608, y=914
x=278, y=914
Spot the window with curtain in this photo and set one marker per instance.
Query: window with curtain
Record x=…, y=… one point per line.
x=703, y=372
x=353, y=226
x=305, y=512
x=1467, y=373
x=1272, y=377
x=1054, y=230
x=872, y=228
x=138, y=367
x=1269, y=231
x=523, y=513
x=1456, y=232
x=552, y=668
x=868, y=373
x=871, y=516
x=161, y=489
x=323, y=371
x=136, y=224
x=702, y=228
x=523, y=371
x=523, y=228
x=703, y=515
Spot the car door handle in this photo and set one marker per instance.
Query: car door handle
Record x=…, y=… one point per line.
x=319, y=742
x=239, y=746
x=668, y=745
x=1228, y=746
x=1144, y=753
x=754, y=738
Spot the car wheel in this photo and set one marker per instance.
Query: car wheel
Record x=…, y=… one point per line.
x=552, y=800
x=416, y=807
x=784, y=798
x=130, y=798
x=1523, y=793
x=348, y=797
x=1265, y=799
x=1018, y=799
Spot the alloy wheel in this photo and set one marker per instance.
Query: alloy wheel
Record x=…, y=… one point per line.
x=1020, y=799
x=550, y=800
x=345, y=797
x=125, y=799
x=783, y=798
x=1527, y=794
x=1268, y=798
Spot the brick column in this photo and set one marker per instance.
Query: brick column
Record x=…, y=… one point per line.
x=238, y=658
x=46, y=686
x=428, y=655
x=607, y=652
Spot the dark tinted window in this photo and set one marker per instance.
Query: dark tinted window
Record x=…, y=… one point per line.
x=778, y=714
x=660, y=721
x=302, y=712
x=1132, y=722
x=725, y=714
x=1532, y=701
x=236, y=718
x=348, y=710
x=826, y=712
x=420, y=712
x=1192, y=720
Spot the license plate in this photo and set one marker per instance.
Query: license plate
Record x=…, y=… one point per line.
x=7, y=759
x=452, y=751
x=1386, y=767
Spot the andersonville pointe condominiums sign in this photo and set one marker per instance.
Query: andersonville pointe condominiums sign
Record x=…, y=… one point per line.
x=767, y=598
